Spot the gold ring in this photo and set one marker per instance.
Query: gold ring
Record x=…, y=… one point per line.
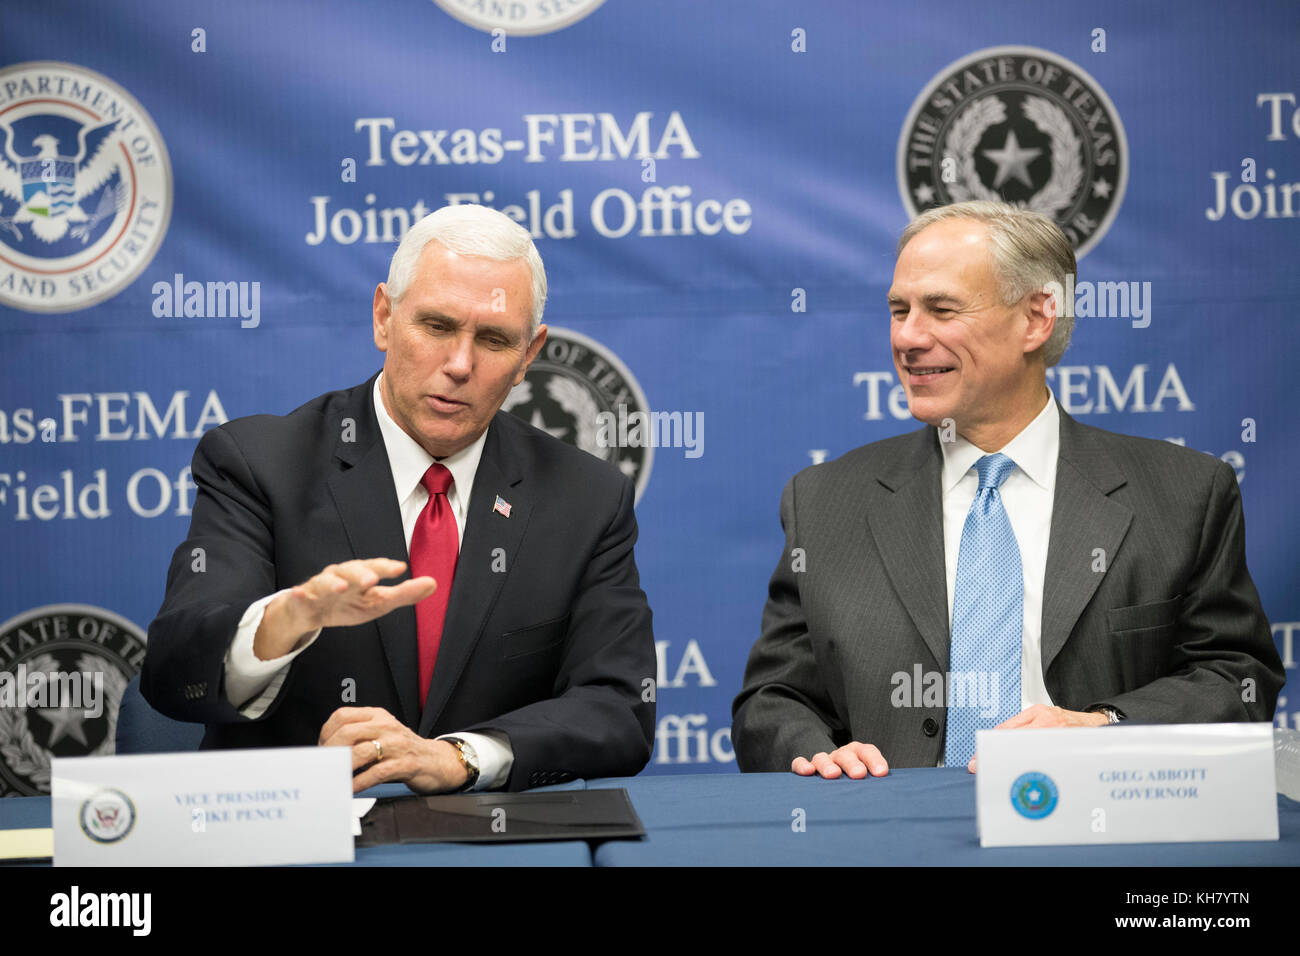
x=379, y=750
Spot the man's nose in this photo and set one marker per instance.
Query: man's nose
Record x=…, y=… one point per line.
x=911, y=332
x=460, y=360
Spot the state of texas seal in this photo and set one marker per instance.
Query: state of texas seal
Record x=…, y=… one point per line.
x=1034, y=795
x=85, y=187
x=519, y=17
x=63, y=670
x=570, y=386
x=1020, y=125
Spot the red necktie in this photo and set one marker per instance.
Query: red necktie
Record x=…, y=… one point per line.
x=435, y=546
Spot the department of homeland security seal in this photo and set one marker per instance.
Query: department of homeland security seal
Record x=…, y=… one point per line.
x=107, y=816
x=1022, y=125
x=519, y=17
x=49, y=707
x=1034, y=795
x=574, y=380
x=85, y=187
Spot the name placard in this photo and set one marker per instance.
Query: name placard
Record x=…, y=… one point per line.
x=227, y=808
x=1174, y=783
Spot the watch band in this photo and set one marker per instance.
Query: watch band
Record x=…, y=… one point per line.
x=1112, y=715
x=468, y=759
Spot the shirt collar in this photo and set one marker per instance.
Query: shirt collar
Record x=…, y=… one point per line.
x=1034, y=450
x=409, y=461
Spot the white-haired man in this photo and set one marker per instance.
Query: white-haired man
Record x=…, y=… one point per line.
x=1005, y=566
x=513, y=652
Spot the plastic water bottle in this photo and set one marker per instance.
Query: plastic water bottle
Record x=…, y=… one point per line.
x=1286, y=755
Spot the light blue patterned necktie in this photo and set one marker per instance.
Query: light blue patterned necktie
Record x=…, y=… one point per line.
x=988, y=606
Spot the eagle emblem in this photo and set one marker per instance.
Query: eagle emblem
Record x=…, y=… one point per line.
x=51, y=184
x=107, y=818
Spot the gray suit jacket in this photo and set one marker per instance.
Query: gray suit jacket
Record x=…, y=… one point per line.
x=1171, y=631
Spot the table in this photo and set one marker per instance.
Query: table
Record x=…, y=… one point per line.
x=912, y=817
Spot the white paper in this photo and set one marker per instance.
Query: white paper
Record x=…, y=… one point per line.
x=1126, y=784
x=215, y=808
x=360, y=807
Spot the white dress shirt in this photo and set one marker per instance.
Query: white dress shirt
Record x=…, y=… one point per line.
x=258, y=682
x=1027, y=497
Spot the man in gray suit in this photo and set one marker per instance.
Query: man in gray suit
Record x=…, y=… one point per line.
x=1005, y=566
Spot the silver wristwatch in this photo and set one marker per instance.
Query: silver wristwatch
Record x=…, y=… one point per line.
x=1112, y=715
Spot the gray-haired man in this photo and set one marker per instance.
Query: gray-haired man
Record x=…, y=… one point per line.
x=1005, y=566
x=514, y=654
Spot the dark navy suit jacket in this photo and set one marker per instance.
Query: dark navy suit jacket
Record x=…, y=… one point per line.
x=551, y=651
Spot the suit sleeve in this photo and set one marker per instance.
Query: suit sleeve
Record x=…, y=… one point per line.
x=783, y=710
x=600, y=720
x=223, y=566
x=1224, y=666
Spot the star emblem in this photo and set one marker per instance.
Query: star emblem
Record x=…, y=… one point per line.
x=64, y=722
x=1101, y=189
x=1012, y=160
x=1034, y=796
x=538, y=422
x=924, y=194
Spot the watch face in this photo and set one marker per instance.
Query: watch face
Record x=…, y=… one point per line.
x=468, y=756
x=471, y=757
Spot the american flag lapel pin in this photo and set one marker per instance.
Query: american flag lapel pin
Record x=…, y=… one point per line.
x=502, y=507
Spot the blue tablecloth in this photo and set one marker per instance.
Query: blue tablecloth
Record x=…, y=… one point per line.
x=917, y=817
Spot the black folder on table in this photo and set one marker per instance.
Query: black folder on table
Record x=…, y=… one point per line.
x=501, y=818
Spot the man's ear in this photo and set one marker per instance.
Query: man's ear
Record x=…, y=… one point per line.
x=381, y=311
x=1040, y=311
x=534, y=349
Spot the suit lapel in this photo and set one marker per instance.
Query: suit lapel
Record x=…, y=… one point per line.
x=367, y=506
x=909, y=537
x=1084, y=519
x=477, y=585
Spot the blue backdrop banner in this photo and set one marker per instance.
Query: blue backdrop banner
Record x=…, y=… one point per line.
x=197, y=201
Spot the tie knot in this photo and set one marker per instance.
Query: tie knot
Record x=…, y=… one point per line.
x=993, y=470
x=436, y=480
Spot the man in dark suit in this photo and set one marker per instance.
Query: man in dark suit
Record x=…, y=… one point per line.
x=516, y=652
x=1089, y=577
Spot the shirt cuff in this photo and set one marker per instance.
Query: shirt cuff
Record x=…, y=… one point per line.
x=251, y=683
x=495, y=758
